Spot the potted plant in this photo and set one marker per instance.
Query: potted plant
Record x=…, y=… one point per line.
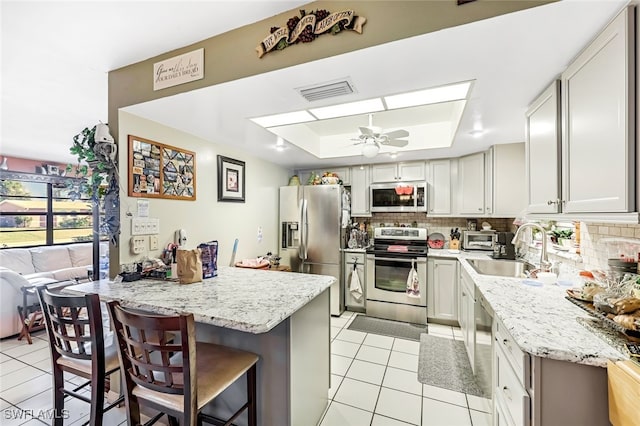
x=97, y=175
x=559, y=236
x=98, y=156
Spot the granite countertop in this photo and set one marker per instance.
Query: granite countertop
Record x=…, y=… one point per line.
x=540, y=319
x=253, y=301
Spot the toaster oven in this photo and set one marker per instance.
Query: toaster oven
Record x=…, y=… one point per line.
x=478, y=240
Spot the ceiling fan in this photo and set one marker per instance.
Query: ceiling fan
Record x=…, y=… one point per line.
x=371, y=137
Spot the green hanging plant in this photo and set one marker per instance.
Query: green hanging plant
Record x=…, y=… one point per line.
x=91, y=157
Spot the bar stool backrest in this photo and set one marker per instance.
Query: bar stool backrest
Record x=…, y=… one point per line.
x=150, y=361
x=74, y=326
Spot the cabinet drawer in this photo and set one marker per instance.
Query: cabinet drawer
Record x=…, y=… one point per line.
x=519, y=360
x=510, y=391
x=624, y=392
x=500, y=416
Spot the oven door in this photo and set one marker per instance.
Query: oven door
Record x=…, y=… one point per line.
x=389, y=279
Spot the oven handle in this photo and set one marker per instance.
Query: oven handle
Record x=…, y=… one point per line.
x=402, y=259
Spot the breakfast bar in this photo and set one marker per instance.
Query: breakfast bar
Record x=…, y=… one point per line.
x=281, y=316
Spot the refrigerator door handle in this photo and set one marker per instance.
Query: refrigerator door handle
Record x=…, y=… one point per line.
x=306, y=228
x=302, y=252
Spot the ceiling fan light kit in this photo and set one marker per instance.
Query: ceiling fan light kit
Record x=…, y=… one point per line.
x=370, y=149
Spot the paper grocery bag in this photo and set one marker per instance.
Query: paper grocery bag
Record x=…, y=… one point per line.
x=189, y=266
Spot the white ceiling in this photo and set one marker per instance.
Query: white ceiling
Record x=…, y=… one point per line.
x=55, y=55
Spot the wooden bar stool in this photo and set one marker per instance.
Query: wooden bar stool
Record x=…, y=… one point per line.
x=178, y=379
x=77, y=343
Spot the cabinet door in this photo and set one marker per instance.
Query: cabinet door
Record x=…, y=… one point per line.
x=598, y=95
x=343, y=173
x=542, y=151
x=384, y=172
x=467, y=305
x=509, y=179
x=360, y=191
x=411, y=171
x=489, y=163
x=471, y=184
x=440, y=187
x=351, y=260
x=445, y=289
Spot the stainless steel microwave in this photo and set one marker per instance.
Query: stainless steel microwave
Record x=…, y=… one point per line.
x=398, y=197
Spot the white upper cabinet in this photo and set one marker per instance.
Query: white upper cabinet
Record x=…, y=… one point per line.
x=398, y=171
x=506, y=177
x=360, y=205
x=598, y=97
x=471, y=184
x=439, y=187
x=543, y=151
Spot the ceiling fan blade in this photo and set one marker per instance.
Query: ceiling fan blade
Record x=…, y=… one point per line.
x=397, y=142
x=395, y=134
x=366, y=131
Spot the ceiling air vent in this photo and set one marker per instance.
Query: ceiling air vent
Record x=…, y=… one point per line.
x=327, y=90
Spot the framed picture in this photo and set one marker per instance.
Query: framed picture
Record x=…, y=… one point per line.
x=157, y=170
x=230, y=179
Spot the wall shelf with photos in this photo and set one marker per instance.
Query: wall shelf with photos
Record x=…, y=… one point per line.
x=157, y=170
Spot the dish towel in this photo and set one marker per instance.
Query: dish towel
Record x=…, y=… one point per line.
x=354, y=286
x=346, y=218
x=413, y=282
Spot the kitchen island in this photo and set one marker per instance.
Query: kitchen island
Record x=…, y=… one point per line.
x=549, y=358
x=281, y=316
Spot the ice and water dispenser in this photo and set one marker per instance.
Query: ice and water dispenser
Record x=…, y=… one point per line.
x=290, y=235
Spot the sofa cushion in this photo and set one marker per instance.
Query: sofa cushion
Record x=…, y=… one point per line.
x=50, y=258
x=38, y=275
x=81, y=254
x=71, y=273
x=18, y=260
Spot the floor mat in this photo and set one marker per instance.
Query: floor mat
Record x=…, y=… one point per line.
x=443, y=363
x=403, y=330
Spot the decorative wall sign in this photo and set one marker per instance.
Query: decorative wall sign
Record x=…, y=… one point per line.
x=309, y=26
x=230, y=179
x=157, y=170
x=178, y=70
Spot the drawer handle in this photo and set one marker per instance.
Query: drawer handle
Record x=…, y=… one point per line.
x=506, y=392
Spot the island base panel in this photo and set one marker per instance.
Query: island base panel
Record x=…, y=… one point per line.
x=286, y=354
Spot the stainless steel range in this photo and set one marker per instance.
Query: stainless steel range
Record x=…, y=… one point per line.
x=394, y=253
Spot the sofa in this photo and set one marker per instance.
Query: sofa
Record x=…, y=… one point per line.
x=21, y=267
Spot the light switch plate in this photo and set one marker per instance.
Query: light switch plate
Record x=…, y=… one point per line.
x=153, y=242
x=138, y=244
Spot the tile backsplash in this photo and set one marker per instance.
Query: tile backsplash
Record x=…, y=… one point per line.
x=593, y=249
x=434, y=224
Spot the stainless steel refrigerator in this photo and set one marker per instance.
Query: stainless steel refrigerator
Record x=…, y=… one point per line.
x=311, y=233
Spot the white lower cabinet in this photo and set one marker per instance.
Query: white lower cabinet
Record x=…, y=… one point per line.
x=537, y=391
x=442, y=295
x=466, y=312
x=354, y=261
x=510, y=391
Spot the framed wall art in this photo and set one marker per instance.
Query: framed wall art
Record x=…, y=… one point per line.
x=157, y=170
x=230, y=179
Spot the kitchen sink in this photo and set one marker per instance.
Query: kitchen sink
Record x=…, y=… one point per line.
x=502, y=268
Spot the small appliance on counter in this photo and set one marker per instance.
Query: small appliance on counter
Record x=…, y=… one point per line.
x=503, y=248
x=478, y=240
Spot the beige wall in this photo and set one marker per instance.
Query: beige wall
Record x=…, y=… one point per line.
x=205, y=219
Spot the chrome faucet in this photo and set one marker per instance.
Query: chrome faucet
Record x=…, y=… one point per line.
x=545, y=265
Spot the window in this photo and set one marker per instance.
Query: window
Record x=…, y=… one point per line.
x=36, y=210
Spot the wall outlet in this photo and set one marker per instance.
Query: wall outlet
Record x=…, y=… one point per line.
x=138, y=244
x=153, y=242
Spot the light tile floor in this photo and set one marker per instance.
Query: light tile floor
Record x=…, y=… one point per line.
x=373, y=383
